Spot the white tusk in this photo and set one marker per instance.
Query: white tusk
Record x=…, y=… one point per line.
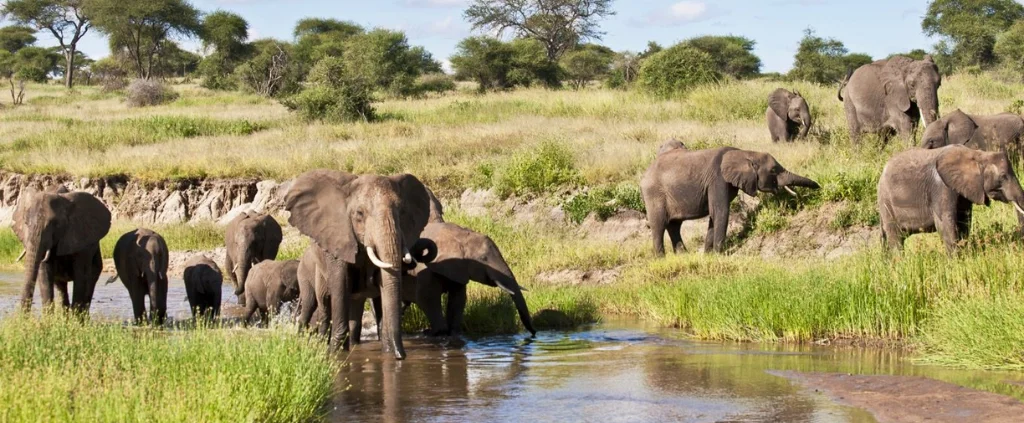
x=407, y=259
x=47, y=256
x=111, y=279
x=377, y=261
x=234, y=269
x=21, y=256
x=1019, y=210
x=790, y=191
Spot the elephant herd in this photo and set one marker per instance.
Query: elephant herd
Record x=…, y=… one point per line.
x=963, y=160
x=377, y=238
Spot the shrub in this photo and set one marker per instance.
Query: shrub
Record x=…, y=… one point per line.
x=540, y=171
x=142, y=93
x=677, y=70
x=271, y=72
x=604, y=202
x=434, y=83
x=348, y=102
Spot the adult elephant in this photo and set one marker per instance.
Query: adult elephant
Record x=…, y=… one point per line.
x=61, y=231
x=203, y=284
x=936, y=190
x=361, y=224
x=891, y=96
x=270, y=284
x=681, y=185
x=140, y=257
x=249, y=239
x=1001, y=132
x=788, y=115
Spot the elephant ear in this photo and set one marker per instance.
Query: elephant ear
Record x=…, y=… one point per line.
x=959, y=169
x=25, y=201
x=778, y=101
x=739, y=170
x=415, y=206
x=87, y=223
x=436, y=210
x=272, y=237
x=318, y=205
x=896, y=94
x=959, y=128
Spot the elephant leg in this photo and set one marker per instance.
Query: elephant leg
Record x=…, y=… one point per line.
x=355, y=321
x=157, y=311
x=946, y=226
x=963, y=220
x=250, y=310
x=138, y=296
x=61, y=289
x=709, y=237
x=456, y=308
x=721, y=219
x=91, y=273
x=307, y=305
x=675, y=234
x=657, y=223
x=428, y=298
x=45, y=282
x=851, y=120
x=378, y=313
x=339, y=312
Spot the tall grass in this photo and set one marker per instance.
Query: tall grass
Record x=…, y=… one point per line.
x=60, y=369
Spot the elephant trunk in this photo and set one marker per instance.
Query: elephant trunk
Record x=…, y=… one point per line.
x=390, y=250
x=33, y=259
x=928, y=103
x=503, y=277
x=805, y=120
x=790, y=179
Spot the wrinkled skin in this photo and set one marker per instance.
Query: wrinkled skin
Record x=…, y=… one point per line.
x=1001, y=132
x=681, y=185
x=270, y=284
x=348, y=216
x=203, y=283
x=60, y=232
x=140, y=257
x=891, y=96
x=249, y=239
x=935, y=190
x=788, y=115
x=672, y=144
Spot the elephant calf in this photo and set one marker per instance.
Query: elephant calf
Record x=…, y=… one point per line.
x=691, y=184
x=1001, y=132
x=935, y=190
x=788, y=115
x=140, y=257
x=270, y=284
x=249, y=239
x=203, y=283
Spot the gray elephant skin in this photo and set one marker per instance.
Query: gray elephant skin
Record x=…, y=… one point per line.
x=249, y=239
x=891, y=96
x=788, y=115
x=682, y=185
x=1000, y=132
x=203, y=284
x=935, y=190
x=359, y=223
x=140, y=257
x=672, y=144
x=270, y=284
x=61, y=231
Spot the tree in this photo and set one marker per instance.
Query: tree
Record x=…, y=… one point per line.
x=271, y=72
x=224, y=33
x=559, y=24
x=81, y=63
x=384, y=59
x=733, y=55
x=28, y=64
x=14, y=38
x=970, y=27
x=485, y=60
x=317, y=38
x=916, y=54
x=676, y=70
x=824, y=61
x=140, y=27
x=66, y=20
x=587, y=63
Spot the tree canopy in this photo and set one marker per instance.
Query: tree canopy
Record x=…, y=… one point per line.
x=15, y=37
x=67, y=20
x=970, y=27
x=139, y=28
x=559, y=24
x=733, y=55
x=824, y=61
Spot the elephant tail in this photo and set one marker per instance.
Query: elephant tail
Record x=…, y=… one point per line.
x=842, y=84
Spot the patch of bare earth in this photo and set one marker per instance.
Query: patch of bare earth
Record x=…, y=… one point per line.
x=810, y=234
x=579, y=277
x=911, y=399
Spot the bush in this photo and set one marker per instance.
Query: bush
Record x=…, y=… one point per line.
x=142, y=93
x=333, y=95
x=434, y=83
x=271, y=72
x=677, y=70
x=604, y=202
x=540, y=171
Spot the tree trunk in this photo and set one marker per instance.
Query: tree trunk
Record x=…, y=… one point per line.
x=69, y=68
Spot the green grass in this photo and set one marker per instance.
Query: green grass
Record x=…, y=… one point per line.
x=59, y=369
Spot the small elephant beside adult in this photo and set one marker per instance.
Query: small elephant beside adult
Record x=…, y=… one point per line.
x=891, y=96
x=61, y=232
x=249, y=239
x=936, y=190
x=999, y=132
x=203, y=285
x=270, y=284
x=788, y=115
x=682, y=185
x=141, y=260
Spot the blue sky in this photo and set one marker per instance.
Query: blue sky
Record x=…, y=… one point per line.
x=875, y=27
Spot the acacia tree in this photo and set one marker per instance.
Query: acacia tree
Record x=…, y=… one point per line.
x=139, y=27
x=970, y=27
x=824, y=60
x=224, y=33
x=14, y=38
x=560, y=25
x=67, y=20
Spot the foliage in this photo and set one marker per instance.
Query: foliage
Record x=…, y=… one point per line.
x=142, y=93
x=433, y=83
x=226, y=34
x=547, y=168
x=15, y=37
x=497, y=65
x=558, y=24
x=969, y=28
x=603, y=202
x=333, y=94
x=139, y=29
x=586, y=63
x=109, y=73
x=1009, y=47
x=824, y=61
x=677, y=70
x=33, y=64
x=319, y=38
x=733, y=55
x=66, y=20
x=383, y=58
x=271, y=72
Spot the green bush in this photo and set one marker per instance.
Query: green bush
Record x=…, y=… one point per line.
x=332, y=94
x=677, y=70
x=604, y=202
x=433, y=83
x=544, y=170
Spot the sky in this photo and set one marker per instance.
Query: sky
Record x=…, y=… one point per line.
x=875, y=27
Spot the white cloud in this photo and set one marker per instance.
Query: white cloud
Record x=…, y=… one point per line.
x=686, y=11
x=435, y=3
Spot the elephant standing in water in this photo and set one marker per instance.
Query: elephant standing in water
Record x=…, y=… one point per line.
x=1001, y=132
x=891, y=96
x=359, y=224
x=788, y=115
x=681, y=185
x=61, y=233
x=140, y=257
x=203, y=283
x=936, y=190
x=249, y=239
x=270, y=284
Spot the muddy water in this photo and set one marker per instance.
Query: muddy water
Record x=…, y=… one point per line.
x=617, y=371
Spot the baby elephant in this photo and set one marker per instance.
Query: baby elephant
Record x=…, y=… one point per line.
x=270, y=283
x=935, y=190
x=140, y=257
x=203, y=281
x=1001, y=132
x=788, y=115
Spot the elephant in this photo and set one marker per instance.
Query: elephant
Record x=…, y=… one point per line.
x=682, y=185
x=270, y=284
x=203, y=283
x=61, y=233
x=788, y=115
x=140, y=257
x=1000, y=132
x=249, y=239
x=891, y=96
x=672, y=144
x=935, y=190
x=359, y=224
